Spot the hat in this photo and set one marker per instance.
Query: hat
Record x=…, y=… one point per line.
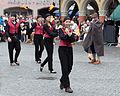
x=47, y=15
x=66, y=18
x=94, y=15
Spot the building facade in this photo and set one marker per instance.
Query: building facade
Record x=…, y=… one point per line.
x=28, y=7
x=101, y=6
x=33, y=7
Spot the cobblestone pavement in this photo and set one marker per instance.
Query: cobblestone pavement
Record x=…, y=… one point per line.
x=86, y=79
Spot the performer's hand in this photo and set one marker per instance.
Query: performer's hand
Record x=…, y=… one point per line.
x=9, y=39
x=49, y=25
x=68, y=32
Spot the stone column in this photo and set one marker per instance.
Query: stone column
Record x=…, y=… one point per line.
x=82, y=16
x=102, y=14
x=1, y=11
x=63, y=14
x=35, y=12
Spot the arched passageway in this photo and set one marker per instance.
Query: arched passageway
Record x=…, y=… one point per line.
x=45, y=10
x=18, y=10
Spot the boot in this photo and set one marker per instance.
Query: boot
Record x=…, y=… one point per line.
x=97, y=62
x=92, y=61
x=69, y=90
x=41, y=68
x=53, y=72
x=61, y=86
x=17, y=63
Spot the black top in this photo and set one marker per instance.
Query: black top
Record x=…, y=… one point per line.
x=66, y=37
x=52, y=34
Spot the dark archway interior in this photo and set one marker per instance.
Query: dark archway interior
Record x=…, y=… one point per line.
x=45, y=10
x=18, y=10
x=76, y=9
x=95, y=6
x=112, y=6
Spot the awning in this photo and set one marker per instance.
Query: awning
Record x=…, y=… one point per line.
x=116, y=14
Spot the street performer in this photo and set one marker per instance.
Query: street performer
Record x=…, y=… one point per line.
x=13, y=37
x=67, y=36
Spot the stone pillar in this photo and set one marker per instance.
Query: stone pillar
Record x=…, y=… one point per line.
x=35, y=12
x=63, y=14
x=1, y=11
x=82, y=16
x=102, y=14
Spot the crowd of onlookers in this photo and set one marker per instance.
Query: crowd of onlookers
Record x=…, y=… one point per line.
x=5, y=19
x=28, y=21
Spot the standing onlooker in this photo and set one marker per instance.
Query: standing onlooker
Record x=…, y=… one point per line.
x=23, y=29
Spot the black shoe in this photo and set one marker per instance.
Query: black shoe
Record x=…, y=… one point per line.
x=38, y=61
x=61, y=86
x=17, y=63
x=41, y=68
x=53, y=72
x=69, y=90
x=12, y=64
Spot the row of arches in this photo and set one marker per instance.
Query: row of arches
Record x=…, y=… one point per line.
x=102, y=7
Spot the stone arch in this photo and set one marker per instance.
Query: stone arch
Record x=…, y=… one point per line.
x=105, y=5
x=66, y=4
x=83, y=8
x=84, y=4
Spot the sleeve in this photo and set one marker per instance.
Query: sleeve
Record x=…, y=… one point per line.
x=90, y=28
x=19, y=33
x=62, y=35
x=28, y=31
x=73, y=38
x=52, y=34
x=7, y=30
x=66, y=37
x=33, y=27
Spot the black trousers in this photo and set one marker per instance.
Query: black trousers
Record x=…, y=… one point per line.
x=39, y=46
x=92, y=48
x=66, y=60
x=15, y=44
x=48, y=42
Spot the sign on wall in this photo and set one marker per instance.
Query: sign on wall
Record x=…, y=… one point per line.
x=32, y=2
